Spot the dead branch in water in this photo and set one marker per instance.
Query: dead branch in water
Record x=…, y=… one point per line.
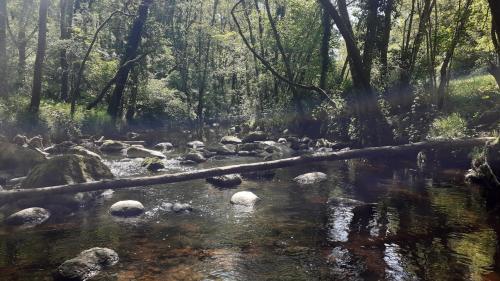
x=370, y=152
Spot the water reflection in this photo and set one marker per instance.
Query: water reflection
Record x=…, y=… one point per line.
x=367, y=222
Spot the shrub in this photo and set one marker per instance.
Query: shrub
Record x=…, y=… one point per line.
x=452, y=126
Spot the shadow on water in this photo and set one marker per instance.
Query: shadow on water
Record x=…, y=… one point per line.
x=367, y=222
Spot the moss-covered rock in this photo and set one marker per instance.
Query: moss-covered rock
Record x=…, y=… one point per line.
x=18, y=158
x=67, y=169
x=152, y=164
x=64, y=169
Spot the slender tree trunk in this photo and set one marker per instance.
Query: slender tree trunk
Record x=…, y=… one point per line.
x=444, y=72
x=326, y=23
x=36, y=91
x=66, y=23
x=286, y=61
x=384, y=40
x=203, y=83
x=3, y=49
x=134, y=89
x=133, y=42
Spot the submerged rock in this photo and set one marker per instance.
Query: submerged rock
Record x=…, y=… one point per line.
x=141, y=152
x=181, y=207
x=30, y=216
x=311, y=178
x=245, y=198
x=226, y=180
x=220, y=149
x=230, y=140
x=112, y=146
x=255, y=136
x=153, y=164
x=86, y=265
x=127, y=208
x=196, y=157
x=14, y=157
x=260, y=175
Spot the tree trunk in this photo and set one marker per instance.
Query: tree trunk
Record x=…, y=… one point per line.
x=326, y=23
x=3, y=48
x=372, y=23
x=134, y=89
x=494, y=68
x=66, y=21
x=384, y=40
x=374, y=129
x=444, y=73
x=371, y=152
x=36, y=91
x=133, y=42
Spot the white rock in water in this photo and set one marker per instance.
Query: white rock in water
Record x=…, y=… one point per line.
x=30, y=216
x=141, y=152
x=245, y=198
x=195, y=144
x=311, y=178
x=127, y=208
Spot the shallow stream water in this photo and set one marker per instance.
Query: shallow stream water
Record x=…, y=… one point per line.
x=404, y=226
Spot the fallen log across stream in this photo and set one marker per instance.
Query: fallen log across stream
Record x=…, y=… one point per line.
x=370, y=152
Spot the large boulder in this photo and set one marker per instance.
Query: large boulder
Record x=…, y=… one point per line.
x=311, y=178
x=67, y=169
x=127, y=208
x=30, y=216
x=86, y=265
x=18, y=158
x=225, y=181
x=255, y=136
x=245, y=198
x=141, y=152
x=60, y=170
x=254, y=146
x=230, y=140
x=111, y=146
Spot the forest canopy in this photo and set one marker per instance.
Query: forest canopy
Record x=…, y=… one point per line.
x=365, y=72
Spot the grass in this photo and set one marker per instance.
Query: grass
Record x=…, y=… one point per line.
x=472, y=95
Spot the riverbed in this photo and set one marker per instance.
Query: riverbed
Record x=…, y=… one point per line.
x=368, y=221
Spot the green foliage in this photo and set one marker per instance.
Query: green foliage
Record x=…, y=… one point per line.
x=452, y=126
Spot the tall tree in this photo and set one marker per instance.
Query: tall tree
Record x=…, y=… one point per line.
x=372, y=125
x=326, y=23
x=3, y=48
x=463, y=16
x=131, y=48
x=65, y=24
x=494, y=67
x=36, y=91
